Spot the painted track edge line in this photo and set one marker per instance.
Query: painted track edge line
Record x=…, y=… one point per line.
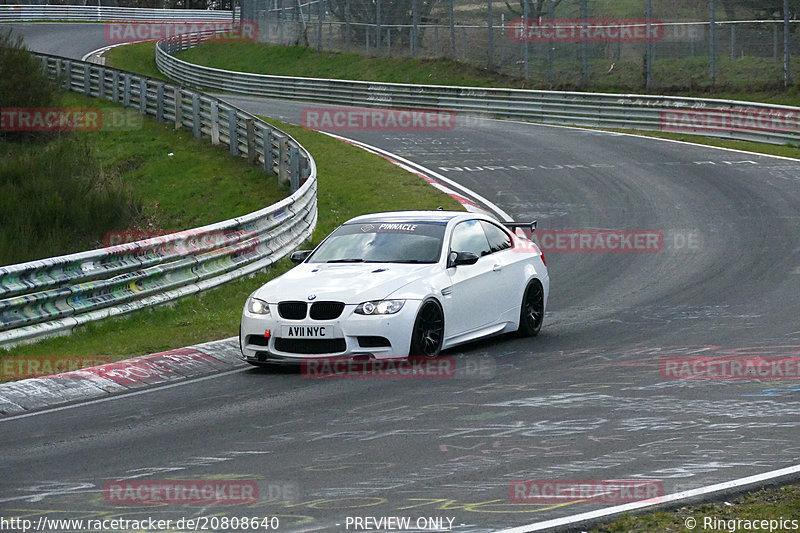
x=654, y=137
x=654, y=502
x=102, y=50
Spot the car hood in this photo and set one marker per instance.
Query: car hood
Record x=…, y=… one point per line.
x=351, y=283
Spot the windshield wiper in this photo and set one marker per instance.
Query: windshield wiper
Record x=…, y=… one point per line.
x=345, y=261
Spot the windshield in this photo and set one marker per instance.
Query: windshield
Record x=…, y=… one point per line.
x=379, y=242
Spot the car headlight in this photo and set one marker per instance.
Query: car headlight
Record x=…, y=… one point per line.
x=380, y=307
x=257, y=307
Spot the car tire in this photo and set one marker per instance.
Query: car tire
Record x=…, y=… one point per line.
x=531, y=313
x=427, y=334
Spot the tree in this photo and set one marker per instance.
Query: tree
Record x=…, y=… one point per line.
x=762, y=9
x=536, y=8
x=393, y=13
x=23, y=81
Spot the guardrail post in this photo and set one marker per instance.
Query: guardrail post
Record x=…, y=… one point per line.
x=233, y=133
x=115, y=86
x=58, y=64
x=160, y=103
x=87, y=80
x=101, y=82
x=196, y=119
x=126, y=91
x=143, y=96
x=266, y=136
x=178, y=108
x=294, y=168
x=305, y=170
x=283, y=167
x=214, y=122
x=251, y=141
x=68, y=78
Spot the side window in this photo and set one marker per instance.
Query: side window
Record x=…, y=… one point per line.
x=498, y=238
x=469, y=237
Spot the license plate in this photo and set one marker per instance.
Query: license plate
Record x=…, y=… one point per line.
x=307, y=332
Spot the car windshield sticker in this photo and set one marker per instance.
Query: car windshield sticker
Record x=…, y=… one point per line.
x=406, y=228
x=430, y=229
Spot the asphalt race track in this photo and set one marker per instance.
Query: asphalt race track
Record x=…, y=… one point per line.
x=588, y=399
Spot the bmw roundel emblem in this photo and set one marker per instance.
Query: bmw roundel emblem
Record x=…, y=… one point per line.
x=312, y=296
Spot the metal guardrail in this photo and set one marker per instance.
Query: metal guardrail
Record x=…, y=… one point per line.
x=712, y=117
x=18, y=13
x=52, y=296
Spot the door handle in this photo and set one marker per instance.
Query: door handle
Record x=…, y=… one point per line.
x=497, y=268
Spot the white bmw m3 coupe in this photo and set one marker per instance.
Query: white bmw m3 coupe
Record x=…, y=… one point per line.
x=390, y=285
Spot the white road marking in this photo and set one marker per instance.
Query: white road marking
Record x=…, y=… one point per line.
x=670, y=498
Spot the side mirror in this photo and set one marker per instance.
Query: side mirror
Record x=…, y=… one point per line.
x=461, y=258
x=299, y=256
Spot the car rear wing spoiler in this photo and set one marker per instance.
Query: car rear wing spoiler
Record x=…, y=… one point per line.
x=526, y=225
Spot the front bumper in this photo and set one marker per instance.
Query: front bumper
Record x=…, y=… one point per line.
x=353, y=335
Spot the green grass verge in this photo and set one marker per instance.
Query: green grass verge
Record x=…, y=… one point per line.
x=745, y=78
x=182, y=181
x=301, y=61
x=782, y=503
x=136, y=57
x=686, y=77
x=56, y=197
x=351, y=182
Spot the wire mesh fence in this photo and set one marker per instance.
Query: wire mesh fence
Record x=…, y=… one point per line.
x=598, y=44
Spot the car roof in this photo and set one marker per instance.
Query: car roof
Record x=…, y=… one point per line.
x=440, y=217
